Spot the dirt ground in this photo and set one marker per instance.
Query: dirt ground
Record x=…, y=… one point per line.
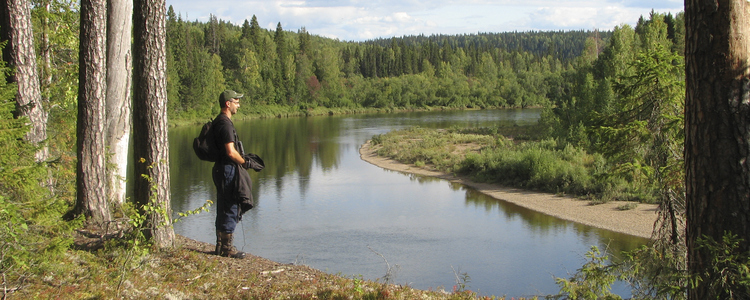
x=638, y=221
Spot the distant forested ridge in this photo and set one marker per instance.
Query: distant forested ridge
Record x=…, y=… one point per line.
x=305, y=71
x=563, y=45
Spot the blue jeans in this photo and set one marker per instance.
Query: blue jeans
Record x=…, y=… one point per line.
x=227, y=209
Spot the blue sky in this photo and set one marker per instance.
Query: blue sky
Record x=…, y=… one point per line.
x=358, y=20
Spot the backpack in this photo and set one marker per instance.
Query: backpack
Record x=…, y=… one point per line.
x=203, y=145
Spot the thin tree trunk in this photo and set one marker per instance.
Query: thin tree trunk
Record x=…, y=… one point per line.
x=119, y=70
x=151, y=147
x=45, y=52
x=16, y=28
x=717, y=131
x=92, y=174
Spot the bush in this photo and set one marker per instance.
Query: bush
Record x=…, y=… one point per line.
x=539, y=165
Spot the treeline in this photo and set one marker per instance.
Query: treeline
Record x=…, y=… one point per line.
x=564, y=45
x=305, y=71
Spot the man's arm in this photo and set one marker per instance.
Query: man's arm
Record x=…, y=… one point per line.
x=233, y=154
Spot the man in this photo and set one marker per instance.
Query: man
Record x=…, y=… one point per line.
x=225, y=173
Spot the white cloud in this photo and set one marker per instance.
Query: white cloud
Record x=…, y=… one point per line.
x=368, y=19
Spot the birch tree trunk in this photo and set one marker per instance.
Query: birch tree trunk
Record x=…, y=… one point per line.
x=91, y=177
x=151, y=147
x=119, y=70
x=717, y=133
x=15, y=23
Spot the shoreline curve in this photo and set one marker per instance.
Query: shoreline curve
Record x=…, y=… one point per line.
x=638, y=221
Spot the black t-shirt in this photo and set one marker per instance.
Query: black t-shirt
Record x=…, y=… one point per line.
x=223, y=132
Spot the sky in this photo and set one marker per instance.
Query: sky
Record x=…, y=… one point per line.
x=360, y=20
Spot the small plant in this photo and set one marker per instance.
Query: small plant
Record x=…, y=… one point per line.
x=462, y=281
x=390, y=272
x=628, y=206
x=357, y=281
x=377, y=139
x=195, y=211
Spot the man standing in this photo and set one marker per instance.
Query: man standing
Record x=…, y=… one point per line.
x=225, y=174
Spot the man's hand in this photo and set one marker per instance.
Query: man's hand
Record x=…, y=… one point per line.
x=246, y=165
x=253, y=161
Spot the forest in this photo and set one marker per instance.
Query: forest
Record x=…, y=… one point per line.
x=305, y=71
x=616, y=94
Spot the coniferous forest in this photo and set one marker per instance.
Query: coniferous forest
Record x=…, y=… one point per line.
x=305, y=71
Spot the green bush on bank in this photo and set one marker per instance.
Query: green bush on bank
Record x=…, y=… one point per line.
x=487, y=155
x=535, y=165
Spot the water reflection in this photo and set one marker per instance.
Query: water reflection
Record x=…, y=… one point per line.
x=542, y=224
x=320, y=204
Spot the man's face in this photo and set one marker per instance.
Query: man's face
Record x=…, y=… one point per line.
x=234, y=105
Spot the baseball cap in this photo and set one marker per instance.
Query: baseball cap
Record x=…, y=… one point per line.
x=228, y=95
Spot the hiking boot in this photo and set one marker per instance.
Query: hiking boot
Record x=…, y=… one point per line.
x=218, y=243
x=226, y=249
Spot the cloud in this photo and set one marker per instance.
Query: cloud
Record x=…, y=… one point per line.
x=657, y=5
x=368, y=19
x=569, y=18
x=572, y=18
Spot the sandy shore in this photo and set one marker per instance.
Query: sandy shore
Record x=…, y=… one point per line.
x=637, y=222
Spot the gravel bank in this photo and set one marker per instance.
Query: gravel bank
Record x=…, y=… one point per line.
x=637, y=222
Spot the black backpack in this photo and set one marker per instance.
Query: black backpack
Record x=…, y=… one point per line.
x=203, y=145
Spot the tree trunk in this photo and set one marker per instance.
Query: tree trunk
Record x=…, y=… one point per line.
x=91, y=178
x=119, y=69
x=15, y=18
x=151, y=147
x=45, y=75
x=717, y=131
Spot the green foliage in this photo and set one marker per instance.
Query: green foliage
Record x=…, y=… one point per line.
x=143, y=218
x=627, y=104
x=491, y=157
x=13, y=254
x=58, y=21
x=592, y=281
x=729, y=267
x=655, y=272
x=301, y=70
x=203, y=208
x=32, y=234
x=536, y=165
x=16, y=167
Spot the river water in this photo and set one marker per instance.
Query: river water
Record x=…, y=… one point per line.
x=320, y=205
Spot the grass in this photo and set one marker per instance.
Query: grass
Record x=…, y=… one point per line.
x=512, y=156
x=114, y=270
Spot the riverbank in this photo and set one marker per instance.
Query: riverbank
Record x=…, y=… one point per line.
x=638, y=221
x=266, y=111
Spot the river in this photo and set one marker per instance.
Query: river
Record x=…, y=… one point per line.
x=320, y=205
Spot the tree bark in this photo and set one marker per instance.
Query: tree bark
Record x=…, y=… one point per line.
x=119, y=70
x=151, y=147
x=16, y=28
x=717, y=130
x=45, y=75
x=91, y=198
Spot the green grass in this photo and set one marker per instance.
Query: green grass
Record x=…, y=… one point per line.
x=512, y=156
